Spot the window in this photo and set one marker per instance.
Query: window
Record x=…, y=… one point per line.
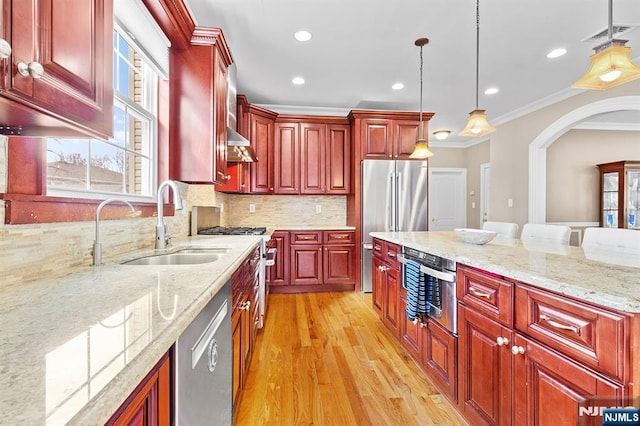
x=124, y=164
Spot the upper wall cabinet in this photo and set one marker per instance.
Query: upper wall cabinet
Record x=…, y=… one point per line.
x=312, y=156
x=57, y=79
x=386, y=134
x=199, y=108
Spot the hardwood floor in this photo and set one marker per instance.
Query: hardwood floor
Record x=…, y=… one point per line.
x=326, y=359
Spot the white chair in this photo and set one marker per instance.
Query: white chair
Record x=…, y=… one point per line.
x=504, y=229
x=555, y=234
x=611, y=238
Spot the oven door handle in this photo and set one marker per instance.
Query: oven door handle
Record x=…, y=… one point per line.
x=451, y=278
x=401, y=259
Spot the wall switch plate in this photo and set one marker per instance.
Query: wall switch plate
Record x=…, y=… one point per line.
x=318, y=208
x=473, y=204
x=510, y=202
x=252, y=208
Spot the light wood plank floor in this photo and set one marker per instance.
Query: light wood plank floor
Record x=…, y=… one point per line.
x=326, y=359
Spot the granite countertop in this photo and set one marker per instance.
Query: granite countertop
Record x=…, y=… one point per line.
x=606, y=278
x=74, y=347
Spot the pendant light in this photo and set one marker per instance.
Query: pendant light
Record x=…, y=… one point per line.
x=610, y=65
x=477, y=124
x=421, y=150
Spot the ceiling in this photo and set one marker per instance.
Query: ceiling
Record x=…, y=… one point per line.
x=361, y=47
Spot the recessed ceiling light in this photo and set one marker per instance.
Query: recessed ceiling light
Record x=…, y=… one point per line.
x=556, y=53
x=491, y=91
x=302, y=35
x=297, y=81
x=397, y=86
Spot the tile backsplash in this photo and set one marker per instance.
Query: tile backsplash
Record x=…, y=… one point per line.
x=32, y=251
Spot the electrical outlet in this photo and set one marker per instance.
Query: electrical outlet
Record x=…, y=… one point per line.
x=252, y=208
x=221, y=207
x=318, y=208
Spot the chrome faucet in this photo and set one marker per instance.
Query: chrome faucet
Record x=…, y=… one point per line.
x=162, y=238
x=97, y=246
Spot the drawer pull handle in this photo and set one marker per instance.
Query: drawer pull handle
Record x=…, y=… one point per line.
x=340, y=237
x=477, y=293
x=391, y=255
x=306, y=237
x=517, y=350
x=556, y=324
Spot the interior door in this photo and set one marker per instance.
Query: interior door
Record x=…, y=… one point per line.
x=447, y=199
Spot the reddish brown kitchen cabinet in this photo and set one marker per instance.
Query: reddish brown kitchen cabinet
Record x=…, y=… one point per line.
x=312, y=156
x=318, y=261
x=75, y=91
x=286, y=162
x=278, y=274
x=150, y=403
x=198, y=134
x=236, y=179
x=386, y=283
x=387, y=135
x=262, y=140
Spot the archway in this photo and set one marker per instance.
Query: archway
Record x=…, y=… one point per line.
x=538, y=148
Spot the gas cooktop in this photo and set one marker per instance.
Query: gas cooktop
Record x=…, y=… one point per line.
x=233, y=230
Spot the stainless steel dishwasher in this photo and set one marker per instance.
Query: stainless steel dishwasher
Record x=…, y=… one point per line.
x=204, y=356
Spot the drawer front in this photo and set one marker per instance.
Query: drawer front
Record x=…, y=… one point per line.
x=339, y=237
x=489, y=294
x=306, y=237
x=592, y=335
x=391, y=255
x=379, y=248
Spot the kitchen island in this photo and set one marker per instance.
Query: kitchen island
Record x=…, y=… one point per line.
x=547, y=334
x=73, y=347
x=602, y=277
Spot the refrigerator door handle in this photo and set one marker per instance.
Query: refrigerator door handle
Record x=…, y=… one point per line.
x=399, y=206
x=367, y=246
x=392, y=202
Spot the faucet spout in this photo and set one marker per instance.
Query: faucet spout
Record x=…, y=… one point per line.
x=162, y=238
x=97, y=246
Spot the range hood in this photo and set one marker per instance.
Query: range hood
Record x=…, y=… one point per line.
x=238, y=147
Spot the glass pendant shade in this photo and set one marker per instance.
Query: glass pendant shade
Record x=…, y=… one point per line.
x=477, y=124
x=610, y=67
x=421, y=150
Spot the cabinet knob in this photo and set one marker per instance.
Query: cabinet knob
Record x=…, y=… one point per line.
x=501, y=341
x=33, y=69
x=5, y=49
x=517, y=350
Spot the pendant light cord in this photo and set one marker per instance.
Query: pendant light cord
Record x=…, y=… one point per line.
x=610, y=29
x=421, y=130
x=478, y=49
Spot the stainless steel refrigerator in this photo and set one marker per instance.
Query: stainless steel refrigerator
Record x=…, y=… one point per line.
x=394, y=198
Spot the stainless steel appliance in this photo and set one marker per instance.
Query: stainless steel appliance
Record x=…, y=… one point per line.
x=441, y=274
x=204, y=357
x=394, y=198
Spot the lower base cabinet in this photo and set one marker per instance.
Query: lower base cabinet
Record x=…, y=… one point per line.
x=150, y=403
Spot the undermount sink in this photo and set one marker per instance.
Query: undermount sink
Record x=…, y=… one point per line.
x=187, y=256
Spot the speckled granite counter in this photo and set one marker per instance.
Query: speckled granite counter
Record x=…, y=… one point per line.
x=602, y=277
x=73, y=347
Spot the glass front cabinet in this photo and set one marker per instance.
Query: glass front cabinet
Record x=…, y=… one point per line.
x=620, y=194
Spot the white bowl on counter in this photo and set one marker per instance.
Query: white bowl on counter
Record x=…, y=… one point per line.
x=475, y=236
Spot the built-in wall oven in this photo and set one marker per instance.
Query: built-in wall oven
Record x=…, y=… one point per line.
x=440, y=281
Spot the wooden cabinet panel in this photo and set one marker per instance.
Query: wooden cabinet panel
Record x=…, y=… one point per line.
x=287, y=171
x=306, y=237
x=378, y=280
x=440, y=356
x=487, y=293
x=338, y=264
x=77, y=84
x=149, y=404
x=237, y=326
x=405, y=136
x=278, y=274
x=262, y=141
x=198, y=134
x=485, y=369
x=306, y=264
x=339, y=237
x=377, y=139
x=338, y=159
x=391, y=311
x=235, y=181
x=550, y=389
x=411, y=332
x=594, y=336
x=312, y=158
